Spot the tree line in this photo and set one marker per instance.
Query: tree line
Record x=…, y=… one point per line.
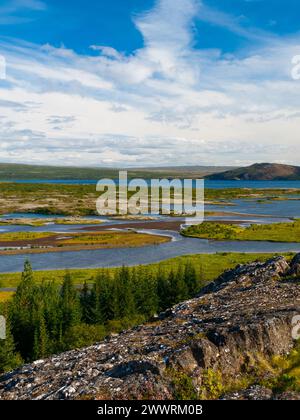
x=45, y=319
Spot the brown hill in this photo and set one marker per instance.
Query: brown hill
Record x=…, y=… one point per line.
x=260, y=171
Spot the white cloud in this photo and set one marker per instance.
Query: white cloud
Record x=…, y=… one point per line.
x=107, y=51
x=167, y=103
x=11, y=10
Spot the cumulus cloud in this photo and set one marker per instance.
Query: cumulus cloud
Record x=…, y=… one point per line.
x=166, y=103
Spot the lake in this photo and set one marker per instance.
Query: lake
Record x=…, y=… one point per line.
x=274, y=208
x=208, y=184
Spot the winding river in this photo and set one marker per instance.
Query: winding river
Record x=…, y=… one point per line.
x=266, y=212
x=133, y=256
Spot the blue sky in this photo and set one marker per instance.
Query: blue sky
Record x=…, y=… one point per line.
x=149, y=82
x=78, y=24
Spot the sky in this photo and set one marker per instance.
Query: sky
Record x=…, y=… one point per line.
x=135, y=83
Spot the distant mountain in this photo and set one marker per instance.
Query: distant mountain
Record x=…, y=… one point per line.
x=181, y=171
x=260, y=172
x=10, y=172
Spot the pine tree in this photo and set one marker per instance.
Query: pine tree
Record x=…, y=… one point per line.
x=21, y=313
x=95, y=298
x=172, y=289
x=9, y=359
x=107, y=302
x=23, y=296
x=148, y=293
x=138, y=284
x=163, y=290
x=125, y=293
x=137, y=276
x=201, y=282
x=86, y=304
x=27, y=276
x=180, y=285
x=50, y=306
x=103, y=299
x=41, y=341
x=70, y=305
x=44, y=317
x=114, y=302
x=190, y=278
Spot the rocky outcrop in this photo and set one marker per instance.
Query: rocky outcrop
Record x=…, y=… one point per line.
x=257, y=392
x=242, y=317
x=295, y=266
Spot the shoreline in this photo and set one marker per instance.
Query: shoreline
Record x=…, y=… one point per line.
x=159, y=239
x=173, y=225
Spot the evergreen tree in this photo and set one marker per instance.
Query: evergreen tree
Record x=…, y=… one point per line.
x=95, y=298
x=45, y=319
x=115, y=298
x=9, y=359
x=201, y=282
x=124, y=293
x=70, y=304
x=163, y=290
x=172, y=289
x=27, y=277
x=180, y=285
x=21, y=313
x=107, y=302
x=149, y=297
x=86, y=304
x=137, y=275
x=50, y=308
x=41, y=341
x=103, y=299
x=190, y=278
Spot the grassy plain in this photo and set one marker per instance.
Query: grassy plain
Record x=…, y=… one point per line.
x=23, y=236
x=80, y=200
x=10, y=171
x=209, y=267
x=41, y=242
x=42, y=221
x=276, y=232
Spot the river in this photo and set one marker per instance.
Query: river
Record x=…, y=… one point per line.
x=261, y=212
x=134, y=256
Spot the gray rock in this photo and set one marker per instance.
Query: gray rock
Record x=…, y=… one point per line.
x=295, y=266
x=242, y=316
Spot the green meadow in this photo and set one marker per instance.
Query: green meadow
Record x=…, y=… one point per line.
x=209, y=266
x=79, y=200
x=276, y=232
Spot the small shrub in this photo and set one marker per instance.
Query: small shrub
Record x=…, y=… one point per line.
x=212, y=385
x=183, y=386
